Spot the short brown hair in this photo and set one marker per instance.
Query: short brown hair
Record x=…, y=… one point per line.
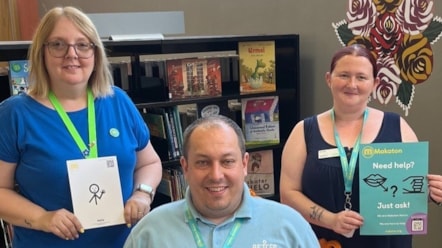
x=211, y=121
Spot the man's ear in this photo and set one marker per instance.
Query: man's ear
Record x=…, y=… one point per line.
x=184, y=164
x=245, y=161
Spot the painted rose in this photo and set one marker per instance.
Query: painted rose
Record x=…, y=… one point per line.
x=415, y=15
x=399, y=33
x=388, y=73
x=415, y=59
x=387, y=6
x=361, y=16
x=360, y=40
x=387, y=35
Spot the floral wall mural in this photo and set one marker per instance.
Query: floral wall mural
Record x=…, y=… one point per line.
x=400, y=34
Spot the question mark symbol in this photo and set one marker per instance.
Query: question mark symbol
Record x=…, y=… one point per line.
x=394, y=187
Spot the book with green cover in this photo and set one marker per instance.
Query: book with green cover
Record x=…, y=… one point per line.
x=257, y=66
x=155, y=122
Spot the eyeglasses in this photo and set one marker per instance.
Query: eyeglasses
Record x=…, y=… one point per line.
x=59, y=49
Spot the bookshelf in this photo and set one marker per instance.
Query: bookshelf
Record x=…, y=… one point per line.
x=287, y=79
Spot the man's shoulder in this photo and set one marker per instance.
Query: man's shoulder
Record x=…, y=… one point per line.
x=278, y=210
x=275, y=207
x=165, y=216
x=168, y=210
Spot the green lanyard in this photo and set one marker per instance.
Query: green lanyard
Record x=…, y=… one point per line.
x=197, y=234
x=87, y=151
x=348, y=169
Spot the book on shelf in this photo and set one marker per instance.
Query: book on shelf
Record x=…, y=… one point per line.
x=165, y=186
x=18, y=76
x=155, y=121
x=260, y=177
x=166, y=131
x=172, y=125
x=257, y=66
x=260, y=118
x=178, y=127
x=173, y=183
x=193, y=77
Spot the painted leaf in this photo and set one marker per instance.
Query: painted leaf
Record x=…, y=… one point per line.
x=344, y=33
x=405, y=95
x=434, y=30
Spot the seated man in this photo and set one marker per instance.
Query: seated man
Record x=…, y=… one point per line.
x=218, y=210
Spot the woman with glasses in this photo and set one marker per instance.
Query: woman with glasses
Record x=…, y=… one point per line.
x=71, y=113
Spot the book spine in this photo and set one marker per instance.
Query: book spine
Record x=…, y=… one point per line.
x=176, y=115
x=170, y=173
x=177, y=152
x=165, y=186
x=169, y=135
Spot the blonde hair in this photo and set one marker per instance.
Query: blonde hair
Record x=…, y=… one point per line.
x=100, y=80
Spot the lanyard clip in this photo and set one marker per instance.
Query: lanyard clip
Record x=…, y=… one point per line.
x=347, y=204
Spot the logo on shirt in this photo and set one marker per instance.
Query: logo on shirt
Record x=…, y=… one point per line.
x=264, y=244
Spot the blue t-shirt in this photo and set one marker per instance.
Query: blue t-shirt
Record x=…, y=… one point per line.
x=265, y=223
x=35, y=137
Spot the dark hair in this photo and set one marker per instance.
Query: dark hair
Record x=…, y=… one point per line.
x=356, y=50
x=213, y=121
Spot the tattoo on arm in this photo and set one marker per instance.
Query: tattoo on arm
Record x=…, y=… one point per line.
x=28, y=223
x=316, y=213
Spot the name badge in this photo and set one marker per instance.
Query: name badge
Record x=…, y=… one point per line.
x=328, y=153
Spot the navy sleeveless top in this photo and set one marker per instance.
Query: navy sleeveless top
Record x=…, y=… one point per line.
x=323, y=183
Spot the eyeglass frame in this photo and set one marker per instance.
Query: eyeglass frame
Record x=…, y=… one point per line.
x=91, y=46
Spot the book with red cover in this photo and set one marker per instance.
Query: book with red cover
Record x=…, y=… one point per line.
x=194, y=77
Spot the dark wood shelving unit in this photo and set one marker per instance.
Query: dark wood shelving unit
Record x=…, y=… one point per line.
x=287, y=76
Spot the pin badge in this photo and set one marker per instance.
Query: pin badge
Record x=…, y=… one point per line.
x=86, y=153
x=114, y=132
